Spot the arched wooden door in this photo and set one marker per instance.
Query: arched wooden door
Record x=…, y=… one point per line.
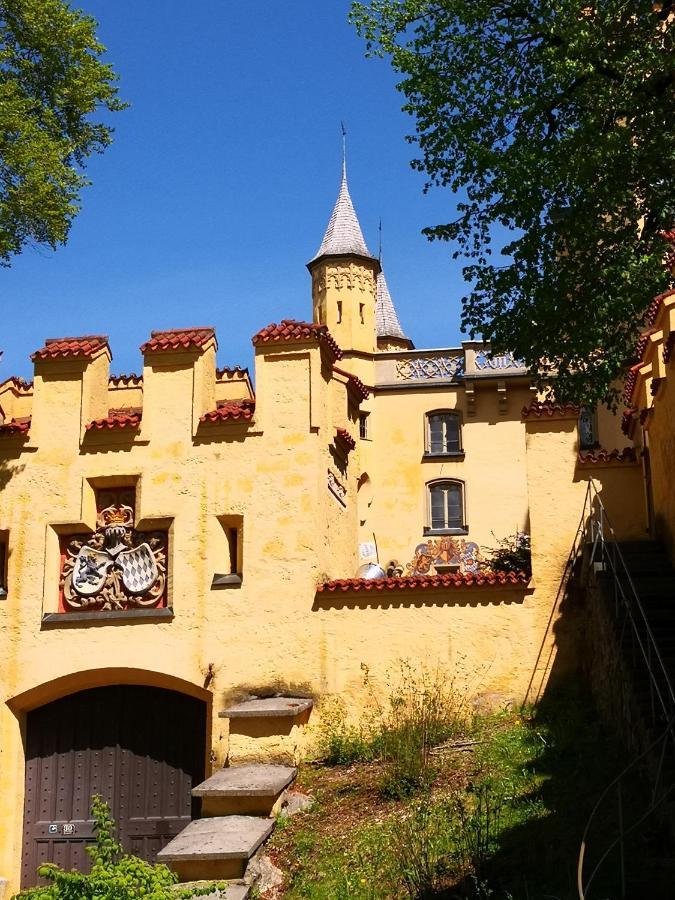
x=141, y=748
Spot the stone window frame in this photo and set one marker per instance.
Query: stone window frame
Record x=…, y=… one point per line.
x=429, y=529
x=456, y=417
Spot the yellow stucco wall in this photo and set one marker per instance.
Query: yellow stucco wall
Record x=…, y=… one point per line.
x=272, y=474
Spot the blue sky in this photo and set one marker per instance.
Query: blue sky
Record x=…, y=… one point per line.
x=221, y=179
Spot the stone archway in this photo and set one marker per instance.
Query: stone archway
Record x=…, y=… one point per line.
x=141, y=747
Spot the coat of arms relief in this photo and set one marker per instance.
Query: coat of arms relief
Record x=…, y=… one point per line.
x=116, y=568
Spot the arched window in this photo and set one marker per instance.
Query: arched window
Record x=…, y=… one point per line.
x=443, y=433
x=446, y=507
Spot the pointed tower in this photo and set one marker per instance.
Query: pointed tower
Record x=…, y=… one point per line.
x=390, y=335
x=344, y=276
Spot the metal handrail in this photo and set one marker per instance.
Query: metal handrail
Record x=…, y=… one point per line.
x=633, y=601
x=597, y=524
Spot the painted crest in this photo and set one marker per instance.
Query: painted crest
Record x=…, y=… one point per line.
x=116, y=567
x=90, y=571
x=139, y=569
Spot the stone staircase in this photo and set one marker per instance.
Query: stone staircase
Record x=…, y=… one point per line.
x=239, y=802
x=653, y=577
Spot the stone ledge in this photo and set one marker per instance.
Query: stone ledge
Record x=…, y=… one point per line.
x=226, y=837
x=106, y=617
x=268, y=708
x=247, y=781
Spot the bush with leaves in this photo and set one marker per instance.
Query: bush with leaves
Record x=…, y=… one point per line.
x=512, y=554
x=115, y=875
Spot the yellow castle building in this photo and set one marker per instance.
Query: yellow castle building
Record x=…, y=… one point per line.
x=187, y=563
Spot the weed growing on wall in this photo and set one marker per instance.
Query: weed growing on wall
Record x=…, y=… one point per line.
x=421, y=711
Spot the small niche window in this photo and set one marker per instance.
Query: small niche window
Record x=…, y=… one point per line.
x=588, y=437
x=229, y=552
x=339, y=311
x=364, y=426
x=3, y=566
x=362, y=306
x=443, y=434
x=446, y=507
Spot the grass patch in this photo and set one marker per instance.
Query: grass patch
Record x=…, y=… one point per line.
x=421, y=712
x=500, y=818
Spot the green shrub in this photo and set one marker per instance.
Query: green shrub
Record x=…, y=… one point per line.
x=115, y=875
x=512, y=554
x=341, y=742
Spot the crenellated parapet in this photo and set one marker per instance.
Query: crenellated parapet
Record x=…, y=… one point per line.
x=74, y=404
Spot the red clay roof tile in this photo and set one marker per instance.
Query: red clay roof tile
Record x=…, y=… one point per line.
x=69, y=347
x=15, y=427
x=127, y=417
x=551, y=409
x=177, y=339
x=230, y=370
x=344, y=438
x=19, y=384
x=130, y=380
x=355, y=384
x=425, y=582
x=593, y=457
x=230, y=411
x=655, y=306
x=291, y=331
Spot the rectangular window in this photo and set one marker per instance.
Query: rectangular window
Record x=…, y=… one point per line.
x=443, y=433
x=339, y=311
x=587, y=430
x=364, y=426
x=446, y=506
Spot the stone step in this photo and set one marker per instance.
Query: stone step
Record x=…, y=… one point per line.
x=215, y=848
x=267, y=730
x=253, y=790
x=268, y=708
x=235, y=890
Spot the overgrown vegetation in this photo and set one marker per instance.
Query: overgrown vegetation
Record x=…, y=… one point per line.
x=422, y=711
x=115, y=875
x=512, y=554
x=497, y=814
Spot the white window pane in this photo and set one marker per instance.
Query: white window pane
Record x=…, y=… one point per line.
x=437, y=508
x=436, y=434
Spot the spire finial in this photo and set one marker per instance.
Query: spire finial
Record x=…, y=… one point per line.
x=344, y=151
x=379, y=252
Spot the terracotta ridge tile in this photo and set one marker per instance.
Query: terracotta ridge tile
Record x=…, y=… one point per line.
x=294, y=331
x=425, y=582
x=592, y=457
x=230, y=411
x=344, y=440
x=551, y=409
x=355, y=383
x=132, y=379
x=71, y=347
x=126, y=417
x=177, y=339
x=18, y=426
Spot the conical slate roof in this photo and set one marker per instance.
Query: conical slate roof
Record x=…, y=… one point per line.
x=386, y=319
x=343, y=235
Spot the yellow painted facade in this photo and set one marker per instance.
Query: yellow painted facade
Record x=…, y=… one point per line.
x=307, y=510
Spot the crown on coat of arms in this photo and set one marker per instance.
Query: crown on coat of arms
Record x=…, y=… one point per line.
x=115, y=515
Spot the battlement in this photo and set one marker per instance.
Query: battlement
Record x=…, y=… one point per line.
x=180, y=393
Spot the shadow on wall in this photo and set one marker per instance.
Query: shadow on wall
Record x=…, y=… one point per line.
x=574, y=755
